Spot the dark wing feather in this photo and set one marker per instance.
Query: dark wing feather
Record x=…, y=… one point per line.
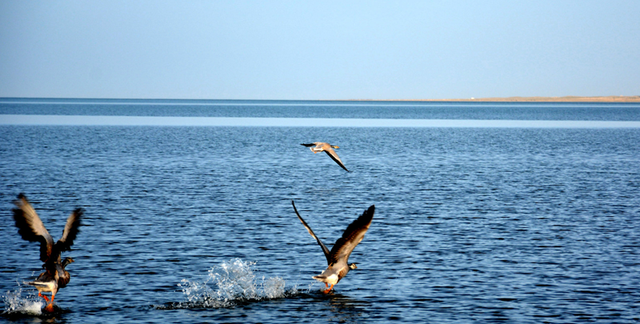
x=30, y=226
x=351, y=237
x=324, y=247
x=308, y=145
x=331, y=153
x=70, y=231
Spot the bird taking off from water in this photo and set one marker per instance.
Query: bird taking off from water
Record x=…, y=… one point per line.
x=338, y=257
x=31, y=228
x=316, y=147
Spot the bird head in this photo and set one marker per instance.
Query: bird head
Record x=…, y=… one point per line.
x=335, y=146
x=353, y=266
x=66, y=261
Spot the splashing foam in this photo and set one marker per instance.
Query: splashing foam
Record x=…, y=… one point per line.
x=16, y=304
x=234, y=281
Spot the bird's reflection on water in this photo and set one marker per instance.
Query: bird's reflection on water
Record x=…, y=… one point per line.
x=346, y=309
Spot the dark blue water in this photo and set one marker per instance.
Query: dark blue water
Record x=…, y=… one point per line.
x=324, y=109
x=194, y=224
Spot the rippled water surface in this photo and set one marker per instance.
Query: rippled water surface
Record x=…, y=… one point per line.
x=195, y=224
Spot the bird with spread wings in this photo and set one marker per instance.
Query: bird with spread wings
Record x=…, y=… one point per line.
x=338, y=256
x=31, y=228
x=316, y=147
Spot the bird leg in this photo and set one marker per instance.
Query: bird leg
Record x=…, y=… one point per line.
x=43, y=296
x=329, y=287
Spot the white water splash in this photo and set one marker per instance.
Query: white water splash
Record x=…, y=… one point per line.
x=17, y=304
x=231, y=282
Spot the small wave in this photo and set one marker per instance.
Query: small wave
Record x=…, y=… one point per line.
x=229, y=283
x=16, y=304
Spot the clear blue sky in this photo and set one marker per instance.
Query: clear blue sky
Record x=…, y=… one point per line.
x=319, y=49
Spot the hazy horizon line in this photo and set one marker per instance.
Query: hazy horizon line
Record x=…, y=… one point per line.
x=603, y=99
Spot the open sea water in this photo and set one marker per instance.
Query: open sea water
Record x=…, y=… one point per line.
x=194, y=224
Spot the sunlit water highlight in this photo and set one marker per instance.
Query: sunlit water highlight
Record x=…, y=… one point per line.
x=303, y=122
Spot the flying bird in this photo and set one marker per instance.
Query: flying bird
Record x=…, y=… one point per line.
x=338, y=257
x=31, y=228
x=316, y=147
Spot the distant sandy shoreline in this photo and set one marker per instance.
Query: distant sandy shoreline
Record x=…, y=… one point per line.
x=536, y=99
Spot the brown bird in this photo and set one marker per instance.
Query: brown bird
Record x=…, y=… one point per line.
x=338, y=257
x=316, y=147
x=31, y=228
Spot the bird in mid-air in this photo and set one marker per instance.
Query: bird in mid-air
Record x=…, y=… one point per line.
x=31, y=228
x=338, y=257
x=327, y=148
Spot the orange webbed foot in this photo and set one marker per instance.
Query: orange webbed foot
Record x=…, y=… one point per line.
x=49, y=308
x=328, y=289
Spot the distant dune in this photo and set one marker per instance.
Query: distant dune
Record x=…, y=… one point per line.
x=547, y=99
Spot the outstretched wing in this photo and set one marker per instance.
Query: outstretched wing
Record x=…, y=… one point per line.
x=332, y=154
x=30, y=226
x=309, y=145
x=324, y=247
x=70, y=231
x=351, y=237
